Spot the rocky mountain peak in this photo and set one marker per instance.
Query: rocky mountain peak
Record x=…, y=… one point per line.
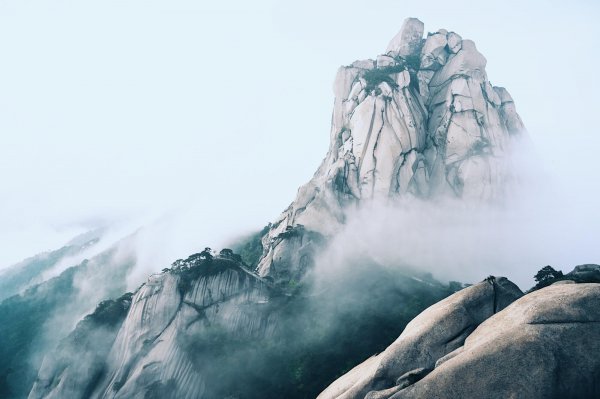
x=408, y=40
x=421, y=120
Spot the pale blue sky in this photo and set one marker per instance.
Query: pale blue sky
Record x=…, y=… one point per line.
x=128, y=109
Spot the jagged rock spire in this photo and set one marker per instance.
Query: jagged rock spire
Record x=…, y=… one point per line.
x=408, y=40
x=422, y=120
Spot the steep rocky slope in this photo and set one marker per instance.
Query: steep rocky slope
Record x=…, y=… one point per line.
x=35, y=320
x=210, y=328
x=153, y=343
x=421, y=120
x=544, y=345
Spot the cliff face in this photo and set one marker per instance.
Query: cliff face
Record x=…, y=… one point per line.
x=210, y=328
x=545, y=344
x=421, y=120
x=171, y=320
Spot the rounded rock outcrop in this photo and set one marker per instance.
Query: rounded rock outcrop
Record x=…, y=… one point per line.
x=544, y=345
x=436, y=332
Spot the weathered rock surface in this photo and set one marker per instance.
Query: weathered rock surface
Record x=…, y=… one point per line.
x=409, y=39
x=157, y=347
x=438, y=331
x=544, y=345
x=434, y=53
x=422, y=120
x=79, y=360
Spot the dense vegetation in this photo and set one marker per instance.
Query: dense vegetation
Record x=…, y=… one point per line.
x=250, y=248
x=376, y=76
x=110, y=312
x=547, y=275
x=27, y=321
x=23, y=274
x=21, y=323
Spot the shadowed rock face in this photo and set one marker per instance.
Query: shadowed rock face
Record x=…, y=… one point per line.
x=36, y=319
x=79, y=360
x=421, y=120
x=544, y=345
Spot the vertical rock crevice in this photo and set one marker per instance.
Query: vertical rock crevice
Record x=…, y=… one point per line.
x=443, y=131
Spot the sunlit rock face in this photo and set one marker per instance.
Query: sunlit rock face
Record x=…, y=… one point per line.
x=433, y=334
x=421, y=120
x=157, y=349
x=543, y=345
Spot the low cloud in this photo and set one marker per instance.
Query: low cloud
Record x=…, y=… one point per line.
x=543, y=219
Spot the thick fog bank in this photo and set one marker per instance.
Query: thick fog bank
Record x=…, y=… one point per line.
x=547, y=216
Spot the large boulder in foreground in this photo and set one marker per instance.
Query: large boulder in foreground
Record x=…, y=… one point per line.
x=544, y=345
x=438, y=331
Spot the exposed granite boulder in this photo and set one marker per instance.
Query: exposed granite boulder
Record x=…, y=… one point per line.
x=385, y=61
x=468, y=62
x=408, y=40
x=544, y=345
x=402, y=382
x=454, y=42
x=434, y=54
x=589, y=273
x=436, y=332
x=421, y=121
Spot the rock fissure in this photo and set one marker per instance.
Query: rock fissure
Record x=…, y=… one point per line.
x=550, y=322
x=368, y=139
x=375, y=151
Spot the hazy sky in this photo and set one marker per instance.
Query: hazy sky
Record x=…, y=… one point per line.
x=113, y=110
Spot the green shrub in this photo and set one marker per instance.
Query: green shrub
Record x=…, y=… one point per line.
x=376, y=76
x=250, y=248
x=546, y=276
